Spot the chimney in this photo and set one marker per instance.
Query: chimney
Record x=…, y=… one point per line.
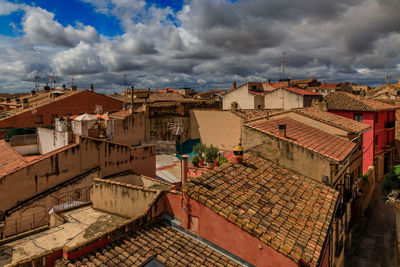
x=184, y=168
x=25, y=103
x=269, y=81
x=33, y=92
x=63, y=86
x=282, y=129
x=238, y=154
x=47, y=88
x=73, y=87
x=234, y=85
x=91, y=88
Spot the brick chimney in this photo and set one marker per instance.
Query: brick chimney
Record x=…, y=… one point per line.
x=234, y=85
x=184, y=168
x=91, y=88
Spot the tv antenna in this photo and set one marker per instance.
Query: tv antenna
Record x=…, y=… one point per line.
x=283, y=65
x=36, y=83
x=53, y=79
x=72, y=79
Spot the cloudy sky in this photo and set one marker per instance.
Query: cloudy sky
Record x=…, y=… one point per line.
x=195, y=43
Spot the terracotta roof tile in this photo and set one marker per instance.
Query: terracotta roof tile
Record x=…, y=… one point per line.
x=157, y=240
x=289, y=212
x=255, y=114
x=166, y=97
x=346, y=101
x=334, y=120
x=10, y=159
x=321, y=142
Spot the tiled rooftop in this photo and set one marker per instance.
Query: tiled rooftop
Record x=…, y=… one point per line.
x=346, y=101
x=289, y=212
x=10, y=159
x=166, y=97
x=254, y=114
x=40, y=99
x=158, y=240
x=301, y=91
x=319, y=141
x=334, y=120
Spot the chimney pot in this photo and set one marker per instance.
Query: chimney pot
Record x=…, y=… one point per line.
x=282, y=129
x=234, y=85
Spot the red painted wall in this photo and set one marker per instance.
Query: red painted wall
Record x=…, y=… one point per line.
x=224, y=234
x=83, y=102
x=377, y=122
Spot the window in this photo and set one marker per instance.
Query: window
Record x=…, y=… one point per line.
x=53, y=117
x=39, y=119
x=358, y=117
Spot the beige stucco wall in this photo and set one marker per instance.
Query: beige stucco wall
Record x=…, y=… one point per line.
x=241, y=96
x=219, y=128
x=71, y=162
x=50, y=140
x=286, y=154
x=129, y=131
x=282, y=98
x=122, y=199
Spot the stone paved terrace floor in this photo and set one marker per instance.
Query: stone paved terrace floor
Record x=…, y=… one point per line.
x=375, y=242
x=82, y=223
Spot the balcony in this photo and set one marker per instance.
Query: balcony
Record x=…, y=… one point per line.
x=390, y=124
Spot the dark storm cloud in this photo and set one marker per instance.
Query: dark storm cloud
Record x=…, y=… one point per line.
x=212, y=42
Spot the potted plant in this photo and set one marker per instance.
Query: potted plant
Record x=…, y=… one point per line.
x=222, y=160
x=200, y=149
x=195, y=161
x=211, y=155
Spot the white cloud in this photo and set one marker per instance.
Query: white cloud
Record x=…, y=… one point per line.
x=40, y=27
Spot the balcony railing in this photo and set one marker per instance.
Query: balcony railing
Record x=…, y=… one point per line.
x=390, y=124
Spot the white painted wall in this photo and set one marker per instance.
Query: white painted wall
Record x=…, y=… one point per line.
x=241, y=96
x=282, y=98
x=50, y=140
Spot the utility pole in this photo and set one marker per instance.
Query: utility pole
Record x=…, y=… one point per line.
x=53, y=79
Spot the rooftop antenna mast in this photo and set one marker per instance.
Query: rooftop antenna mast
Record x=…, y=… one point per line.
x=283, y=65
x=36, y=83
x=53, y=79
x=72, y=79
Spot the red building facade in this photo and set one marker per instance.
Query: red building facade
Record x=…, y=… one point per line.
x=378, y=142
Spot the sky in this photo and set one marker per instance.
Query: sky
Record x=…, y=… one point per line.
x=201, y=44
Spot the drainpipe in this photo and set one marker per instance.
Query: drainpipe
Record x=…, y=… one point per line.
x=185, y=200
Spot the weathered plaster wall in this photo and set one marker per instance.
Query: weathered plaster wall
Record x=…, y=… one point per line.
x=241, y=96
x=31, y=213
x=281, y=98
x=123, y=199
x=226, y=234
x=218, y=128
x=70, y=162
x=287, y=154
x=130, y=130
x=50, y=140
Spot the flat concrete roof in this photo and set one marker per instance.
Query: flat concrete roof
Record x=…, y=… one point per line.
x=82, y=224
